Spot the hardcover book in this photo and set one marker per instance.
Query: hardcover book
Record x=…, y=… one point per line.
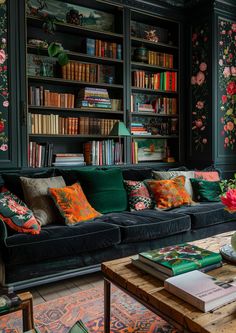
x=201, y=290
x=179, y=259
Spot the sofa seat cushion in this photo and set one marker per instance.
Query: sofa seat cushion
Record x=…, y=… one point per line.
x=56, y=241
x=147, y=224
x=205, y=214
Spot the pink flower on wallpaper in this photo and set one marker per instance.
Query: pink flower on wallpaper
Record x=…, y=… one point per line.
x=221, y=42
x=200, y=105
x=230, y=125
x=224, y=99
x=2, y=56
x=193, y=80
x=204, y=141
x=4, y=147
x=194, y=37
x=203, y=66
x=221, y=62
x=198, y=123
x=233, y=27
x=233, y=70
x=200, y=78
x=227, y=72
x=226, y=140
x=231, y=88
x=5, y=104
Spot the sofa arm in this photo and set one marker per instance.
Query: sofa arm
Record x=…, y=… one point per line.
x=3, y=232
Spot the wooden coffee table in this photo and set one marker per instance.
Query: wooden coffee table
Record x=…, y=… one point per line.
x=150, y=292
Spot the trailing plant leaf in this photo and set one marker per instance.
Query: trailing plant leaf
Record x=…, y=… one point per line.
x=227, y=184
x=62, y=58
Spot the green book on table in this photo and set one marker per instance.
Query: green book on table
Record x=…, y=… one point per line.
x=179, y=259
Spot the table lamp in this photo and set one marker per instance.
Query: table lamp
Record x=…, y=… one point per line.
x=119, y=129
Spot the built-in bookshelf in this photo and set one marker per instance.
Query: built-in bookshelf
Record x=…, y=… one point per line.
x=63, y=118
x=154, y=115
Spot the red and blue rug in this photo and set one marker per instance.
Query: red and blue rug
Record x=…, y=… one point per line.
x=57, y=316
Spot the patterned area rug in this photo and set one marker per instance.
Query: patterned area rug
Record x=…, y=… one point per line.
x=57, y=316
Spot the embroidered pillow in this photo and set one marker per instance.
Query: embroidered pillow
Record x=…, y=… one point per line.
x=138, y=195
x=169, y=193
x=205, y=190
x=207, y=175
x=161, y=175
x=72, y=204
x=37, y=198
x=17, y=215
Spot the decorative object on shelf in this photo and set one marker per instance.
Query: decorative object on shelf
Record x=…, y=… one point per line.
x=141, y=54
x=74, y=17
x=151, y=36
x=56, y=50
x=39, y=43
x=119, y=129
x=35, y=10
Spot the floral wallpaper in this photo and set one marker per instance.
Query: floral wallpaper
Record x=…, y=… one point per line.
x=227, y=82
x=4, y=102
x=199, y=87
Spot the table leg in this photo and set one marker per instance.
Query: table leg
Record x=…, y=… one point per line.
x=107, y=306
x=27, y=310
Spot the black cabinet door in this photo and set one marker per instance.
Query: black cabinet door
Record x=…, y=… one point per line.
x=9, y=106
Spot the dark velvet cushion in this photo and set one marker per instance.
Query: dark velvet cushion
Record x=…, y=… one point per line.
x=148, y=224
x=56, y=241
x=138, y=174
x=13, y=183
x=206, y=214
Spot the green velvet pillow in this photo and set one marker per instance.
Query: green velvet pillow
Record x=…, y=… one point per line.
x=104, y=189
x=205, y=190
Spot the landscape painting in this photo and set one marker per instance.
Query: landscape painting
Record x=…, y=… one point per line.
x=151, y=149
x=91, y=18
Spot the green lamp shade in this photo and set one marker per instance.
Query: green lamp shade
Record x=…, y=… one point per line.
x=119, y=129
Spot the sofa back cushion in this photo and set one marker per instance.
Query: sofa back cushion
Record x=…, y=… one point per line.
x=138, y=195
x=104, y=189
x=37, y=197
x=17, y=215
x=72, y=204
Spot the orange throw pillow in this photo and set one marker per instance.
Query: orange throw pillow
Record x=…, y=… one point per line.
x=73, y=204
x=169, y=193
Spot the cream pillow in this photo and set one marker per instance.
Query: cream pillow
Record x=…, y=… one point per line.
x=161, y=175
x=37, y=198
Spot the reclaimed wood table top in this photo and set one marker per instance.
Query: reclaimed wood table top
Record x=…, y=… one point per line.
x=149, y=291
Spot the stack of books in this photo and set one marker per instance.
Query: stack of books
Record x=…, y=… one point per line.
x=139, y=129
x=96, y=98
x=175, y=260
x=68, y=159
x=203, y=291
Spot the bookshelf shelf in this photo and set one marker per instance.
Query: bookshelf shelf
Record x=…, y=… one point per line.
x=45, y=109
x=144, y=66
x=153, y=114
x=137, y=41
x=78, y=56
x=74, y=136
x=61, y=81
x=71, y=28
x=152, y=91
x=154, y=136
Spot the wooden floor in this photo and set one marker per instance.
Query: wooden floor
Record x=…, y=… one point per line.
x=66, y=287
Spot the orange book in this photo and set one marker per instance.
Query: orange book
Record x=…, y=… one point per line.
x=83, y=72
x=64, y=72
x=76, y=71
x=88, y=153
x=72, y=69
x=87, y=72
x=68, y=71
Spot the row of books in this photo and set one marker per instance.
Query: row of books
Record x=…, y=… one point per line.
x=160, y=59
x=88, y=72
x=40, y=154
x=106, y=152
x=39, y=96
x=182, y=268
x=166, y=81
x=159, y=105
x=55, y=124
x=100, y=48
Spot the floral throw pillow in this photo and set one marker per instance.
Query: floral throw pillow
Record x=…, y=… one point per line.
x=73, y=204
x=138, y=195
x=17, y=215
x=170, y=193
